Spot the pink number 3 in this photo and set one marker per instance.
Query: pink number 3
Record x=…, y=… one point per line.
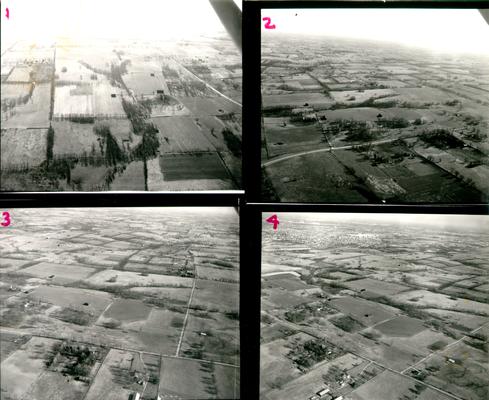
x=5, y=219
x=268, y=24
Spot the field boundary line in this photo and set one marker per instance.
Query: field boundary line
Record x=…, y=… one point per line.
x=188, y=309
x=202, y=360
x=96, y=373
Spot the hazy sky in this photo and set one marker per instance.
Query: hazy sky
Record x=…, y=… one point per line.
x=146, y=19
x=475, y=223
x=435, y=29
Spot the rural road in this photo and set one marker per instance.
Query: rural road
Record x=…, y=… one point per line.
x=323, y=149
x=209, y=86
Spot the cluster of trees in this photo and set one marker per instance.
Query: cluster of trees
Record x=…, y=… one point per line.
x=441, y=138
x=233, y=142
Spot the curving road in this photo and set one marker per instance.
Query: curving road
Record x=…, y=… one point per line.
x=323, y=149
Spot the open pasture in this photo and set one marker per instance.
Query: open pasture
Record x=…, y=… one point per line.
x=15, y=90
x=58, y=272
x=180, y=167
x=212, y=295
x=86, y=300
x=387, y=386
x=127, y=278
x=401, y=326
x=20, y=73
x=131, y=179
x=365, y=311
x=353, y=97
x=318, y=177
x=424, y=298
x=376, y=287
x=127, y=310
x=202, y=380
x=33, y=114
x=92, y=99
x=171, y=294
x=220, y=342
x=180, y=135
x=316, y=100
x=24, y=367
x=73, y=138
x=205, y=106
x=145, y=83
x=217, y=274
x=292, y=138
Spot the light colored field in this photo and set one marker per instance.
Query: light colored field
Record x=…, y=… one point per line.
x=10, y=264
x=204, y=106
x=127, y=310
x=388, y=386
x=62, y=273
x=21, y=73
x=217, y=274
x=467, y=320
x=367, y=312
x=312, y=381
x=33, y=114
x=14, y=90
x=157, y=181
x=430, y=299
x=296, y=99
x=89, y=100
x=19, y=371
x=180, y=134
x=52, y=386
x=73, y=138
x=221, y=342
x=223, y=296
x=142, y=83
x=75, y=71
x=127, y=278
x=105, y=386
x=380, y=288
x=192, y=384
x=177, y=294
x=72, y=298
x=132, y=178
x=356, y=97
x=275, y=367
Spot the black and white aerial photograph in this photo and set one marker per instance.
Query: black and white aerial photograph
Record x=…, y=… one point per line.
x=375, y=105
x=120, y=304
x=375, y=307
x=120, y=96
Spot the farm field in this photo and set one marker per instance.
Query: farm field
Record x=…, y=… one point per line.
x=401, y=126
x=359, y=320
x=113, y=108
x=82, y=319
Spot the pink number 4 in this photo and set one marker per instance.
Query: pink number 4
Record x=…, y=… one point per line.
x=273, y=220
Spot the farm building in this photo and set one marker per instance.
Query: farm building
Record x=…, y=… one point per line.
x=134, y=396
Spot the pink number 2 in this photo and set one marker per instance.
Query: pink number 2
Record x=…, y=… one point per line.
x=268, y=24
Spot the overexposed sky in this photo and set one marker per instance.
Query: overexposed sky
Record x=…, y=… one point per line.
x=474, y=223
x=444, y=30
x=45, y=20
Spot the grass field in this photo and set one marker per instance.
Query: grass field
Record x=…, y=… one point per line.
x=126, y=278
x=291, y=138
x=380, y=288
x=316, y=177
x=180, y=134
x=59, y=273
x=318, y=100
x=201, y=380
x=127, y=310
x=15, y=90
x=217, y=274
x=401, y=326
x=368, y=313
x=176, y=167
x=206, y=106
x=33, y=114
x=223, y=296
x=22, y=146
